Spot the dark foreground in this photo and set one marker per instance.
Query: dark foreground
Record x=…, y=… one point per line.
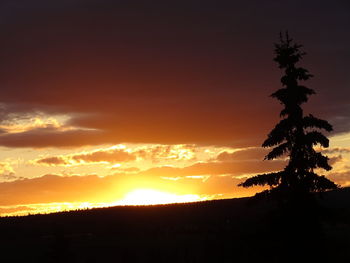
x=234, y=230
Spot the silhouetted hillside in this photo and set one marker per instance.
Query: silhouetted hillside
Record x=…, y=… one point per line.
x=234, y=230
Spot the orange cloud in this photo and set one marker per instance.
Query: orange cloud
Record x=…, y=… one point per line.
x=14, y=209
x=335, y=159
x=19, y=123
x=53, y=188
x=7, y=172
x=157, y=153
x=342, y=178
x=106, y=155
x=126, y=170
x=343, y=150
x=243, y=154
x=110, y=156
x=215, y=168
x=218, y=179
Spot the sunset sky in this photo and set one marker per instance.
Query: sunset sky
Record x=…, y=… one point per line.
x=123, y=102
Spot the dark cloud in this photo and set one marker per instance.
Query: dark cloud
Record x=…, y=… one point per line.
x=165, y=72
x=47, y=137
x=52, y=161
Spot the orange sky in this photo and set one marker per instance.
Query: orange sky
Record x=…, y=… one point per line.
x=48, y=179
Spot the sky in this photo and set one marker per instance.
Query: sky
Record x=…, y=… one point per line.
x=127, y=102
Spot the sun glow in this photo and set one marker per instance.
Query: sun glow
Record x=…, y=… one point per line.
x=153, y=197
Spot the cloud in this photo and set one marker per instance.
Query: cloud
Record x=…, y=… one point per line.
x=342, y=178
x=338, y=150
x=210, y=178
x=52, y=161
x=27, y=122
x=244, y=154
x=115, y=154
x=163, y=73
x=126, y=170
x=60, y=189
x=335, y=160
x=220, y=177
x=7, y=172
x=110, y=155
x=52, y=188
x=52, y=137
x=15, y=209
x=215, y=168
x=159, y=153
x=258, y=154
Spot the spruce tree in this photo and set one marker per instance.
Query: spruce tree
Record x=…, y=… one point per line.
x=296, y=134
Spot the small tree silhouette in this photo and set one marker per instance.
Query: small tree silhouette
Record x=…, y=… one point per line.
x=295, y=135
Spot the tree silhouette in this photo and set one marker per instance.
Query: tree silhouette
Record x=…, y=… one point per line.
x=295, y=135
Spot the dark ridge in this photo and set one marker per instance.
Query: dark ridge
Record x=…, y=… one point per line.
x=231, y=230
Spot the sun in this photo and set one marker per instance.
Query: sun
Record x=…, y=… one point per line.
x=154, y=197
